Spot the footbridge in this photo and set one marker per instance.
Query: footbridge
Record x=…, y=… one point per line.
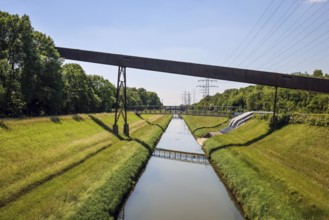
x=189, y=157
x=187, y=110
x=189, y=69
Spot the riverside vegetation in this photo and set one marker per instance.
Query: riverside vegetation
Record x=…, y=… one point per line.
x=72, y=167
x=274, y=175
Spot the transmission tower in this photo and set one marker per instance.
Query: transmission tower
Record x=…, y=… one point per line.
x=193, y=96
x=205, y=87
x=186, y=98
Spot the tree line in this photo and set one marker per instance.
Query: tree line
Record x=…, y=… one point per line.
x=34, y=81
x=261, y=98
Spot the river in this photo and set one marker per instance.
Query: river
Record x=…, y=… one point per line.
x=170, y=189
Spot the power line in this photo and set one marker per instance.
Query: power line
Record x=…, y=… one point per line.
x=308, y=45
x=292, y=28
x=295, y=43
x=286, y=47
x=313, y=55
x=250, y=31
x=271, y=33
x=257, y=33
x=325, y=57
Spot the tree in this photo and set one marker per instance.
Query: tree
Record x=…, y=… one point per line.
x=153, y=99
x=133, y=98
x=318, y=73
x=262, y=97
x=143, y=94
x=30, y=69
x=11, y=59
x=105, y=91
x=34, y=82
x=43, y=94
x=78, y=94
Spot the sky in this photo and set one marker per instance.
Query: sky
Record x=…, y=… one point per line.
x=284, y=36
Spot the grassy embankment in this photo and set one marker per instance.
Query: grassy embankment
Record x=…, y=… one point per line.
x=279, y=175
x=71, y=166
x=200, y=125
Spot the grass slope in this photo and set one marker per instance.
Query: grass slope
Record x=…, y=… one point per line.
x=200, y=125
x=279, y=175
x=52, y=166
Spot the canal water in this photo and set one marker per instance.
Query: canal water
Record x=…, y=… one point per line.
x=170, y=189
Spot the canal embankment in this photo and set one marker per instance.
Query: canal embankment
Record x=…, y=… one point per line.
x=72, y=167
x=273, y=175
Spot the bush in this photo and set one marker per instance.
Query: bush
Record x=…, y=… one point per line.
x=282, y=120
x=311, y=119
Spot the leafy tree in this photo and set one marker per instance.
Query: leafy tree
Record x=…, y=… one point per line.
x=45, y=96
x=142, y=97
x=105, y=91
x=79, y=96
x=318, y=73
x=11, y=59
x=143, y=94
x=133, y=98
x=33, y=80
x=262, y=98
x=153, y=99
x=30, y=69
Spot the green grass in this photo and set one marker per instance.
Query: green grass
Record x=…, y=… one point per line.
x=279, y=175
x=62, y=163
x=201, y=125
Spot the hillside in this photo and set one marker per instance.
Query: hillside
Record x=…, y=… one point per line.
x=280, y=175
x=56, y=167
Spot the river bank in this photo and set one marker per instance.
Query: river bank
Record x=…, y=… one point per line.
x=57, y=167
x=279, y=175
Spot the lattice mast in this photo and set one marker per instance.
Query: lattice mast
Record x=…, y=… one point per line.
x=205, y=87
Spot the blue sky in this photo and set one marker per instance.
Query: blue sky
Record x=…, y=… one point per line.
x=291, y=36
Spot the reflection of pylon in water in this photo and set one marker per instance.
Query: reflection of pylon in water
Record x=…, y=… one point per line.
x=205, y=87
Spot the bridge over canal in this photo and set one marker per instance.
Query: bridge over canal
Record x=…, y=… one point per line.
x=189, y=69
x=190, y=157
x=187, y=110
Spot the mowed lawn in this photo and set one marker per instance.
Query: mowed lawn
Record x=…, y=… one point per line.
x=50, y=166
x=279, y=175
